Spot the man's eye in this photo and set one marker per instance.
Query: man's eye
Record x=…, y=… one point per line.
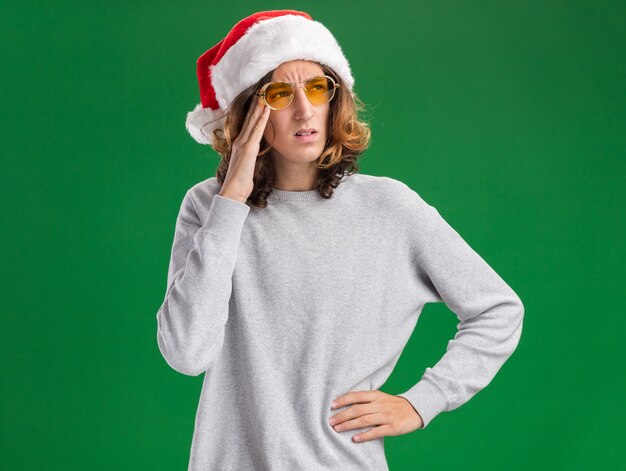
x=319, y=87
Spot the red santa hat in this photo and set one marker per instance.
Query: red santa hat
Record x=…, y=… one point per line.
x=253, y=47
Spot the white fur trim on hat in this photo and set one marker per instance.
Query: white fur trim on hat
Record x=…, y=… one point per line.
x=268, y=44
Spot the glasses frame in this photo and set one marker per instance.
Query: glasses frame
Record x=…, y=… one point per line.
x=261, y=93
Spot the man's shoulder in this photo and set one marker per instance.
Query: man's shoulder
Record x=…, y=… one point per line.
x=386, y=189
x=207, y=187
x=201, y=195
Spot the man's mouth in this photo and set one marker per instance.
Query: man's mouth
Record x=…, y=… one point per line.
x=306, y=132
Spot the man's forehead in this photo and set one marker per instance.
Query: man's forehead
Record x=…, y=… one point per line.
x=294, y=79
x=295, y=72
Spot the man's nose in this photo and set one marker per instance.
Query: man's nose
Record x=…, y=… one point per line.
x=304, y=108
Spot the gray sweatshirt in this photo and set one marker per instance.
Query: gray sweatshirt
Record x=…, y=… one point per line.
x=287, y=307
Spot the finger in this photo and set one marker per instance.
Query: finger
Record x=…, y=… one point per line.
x=254, y=107
x=354, y=397
x=354, y=412
x=259, y=127
x=254, y=112
x=363, y=420
x=374, y=433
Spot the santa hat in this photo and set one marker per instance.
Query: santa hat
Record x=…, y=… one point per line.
x=253, y=47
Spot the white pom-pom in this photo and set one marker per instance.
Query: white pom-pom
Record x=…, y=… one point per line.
x=202, y=121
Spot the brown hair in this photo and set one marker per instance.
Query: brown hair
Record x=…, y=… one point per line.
x=348, y=138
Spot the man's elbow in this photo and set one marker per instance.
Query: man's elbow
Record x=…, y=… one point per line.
x=518, y=320
x=188, y=361
x=186, y=368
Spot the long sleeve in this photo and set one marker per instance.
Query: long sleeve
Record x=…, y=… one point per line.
x=192, y=317
x=490, y=315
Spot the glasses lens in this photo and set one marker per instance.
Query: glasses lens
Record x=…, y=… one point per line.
x=320, y=90
x=278, y=94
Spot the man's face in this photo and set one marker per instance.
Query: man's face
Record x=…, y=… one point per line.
x=300, y=114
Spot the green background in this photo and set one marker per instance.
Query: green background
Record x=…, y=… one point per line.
x=509, y=117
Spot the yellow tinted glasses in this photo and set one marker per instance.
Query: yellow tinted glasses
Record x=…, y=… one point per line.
x=278, y=95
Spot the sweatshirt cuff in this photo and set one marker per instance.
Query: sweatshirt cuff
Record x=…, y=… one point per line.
x=225, y=218
x=427, y=399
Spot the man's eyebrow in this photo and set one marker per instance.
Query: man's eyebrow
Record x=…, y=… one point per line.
x=303, y=80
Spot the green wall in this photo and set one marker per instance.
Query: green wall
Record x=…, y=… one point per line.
x=509, y=117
